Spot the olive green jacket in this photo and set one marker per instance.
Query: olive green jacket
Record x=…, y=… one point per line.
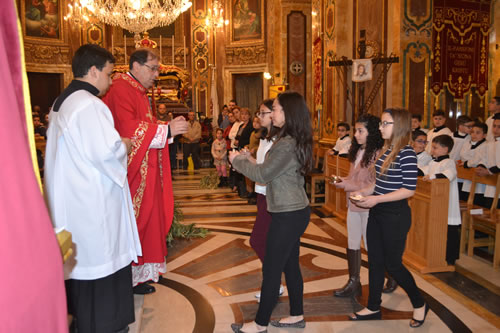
x=281, y=174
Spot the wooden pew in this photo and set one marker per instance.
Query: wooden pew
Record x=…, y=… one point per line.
x=426, y=242
x=465, y=206
x=335, y=199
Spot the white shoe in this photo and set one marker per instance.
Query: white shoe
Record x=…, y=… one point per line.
x=282, y=290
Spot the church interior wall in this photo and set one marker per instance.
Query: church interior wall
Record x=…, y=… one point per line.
x=401, y=27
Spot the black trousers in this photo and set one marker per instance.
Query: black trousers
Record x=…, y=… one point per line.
x=104, y=305
x=282, y=255
x=194, y=150
x=453, y=244
x=388, y=225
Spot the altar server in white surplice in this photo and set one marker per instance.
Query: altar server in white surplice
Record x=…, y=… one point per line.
x=88, y=194
x=442, y=166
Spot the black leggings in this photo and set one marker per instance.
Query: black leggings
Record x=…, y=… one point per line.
x=282, y=255
x=388, y=225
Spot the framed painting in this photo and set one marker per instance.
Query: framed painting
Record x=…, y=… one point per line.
x=247, y=21
x=42, y=19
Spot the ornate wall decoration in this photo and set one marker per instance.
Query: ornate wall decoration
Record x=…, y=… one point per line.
x=416, y=60
x=296, y=50
x=47, y=54
x=329, y=16
x=246, y=55
x=318, y=80
x=200, y=56
x=94, y=34
x=417, y=17
x=460, y=41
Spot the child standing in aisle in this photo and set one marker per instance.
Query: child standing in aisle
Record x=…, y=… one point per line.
x=219, y=153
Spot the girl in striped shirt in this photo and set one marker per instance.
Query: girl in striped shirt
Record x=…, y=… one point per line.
x=390, y=216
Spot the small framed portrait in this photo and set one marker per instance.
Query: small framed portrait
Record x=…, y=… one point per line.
x=362, y=70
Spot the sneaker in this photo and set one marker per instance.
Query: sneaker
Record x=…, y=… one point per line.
x=282, y=290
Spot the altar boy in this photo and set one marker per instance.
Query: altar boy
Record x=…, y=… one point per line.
x=473, y=154
x=492, y=161
x=344, y=140
x=444, y=167
x=88, y=195
x=439, y=122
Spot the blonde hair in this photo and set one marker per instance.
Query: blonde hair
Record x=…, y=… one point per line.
x=401, y=135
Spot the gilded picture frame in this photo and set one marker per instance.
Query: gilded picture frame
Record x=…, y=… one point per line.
x=246, y=22
x=42, y=20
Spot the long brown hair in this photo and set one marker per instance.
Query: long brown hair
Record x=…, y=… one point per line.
x=401, y=135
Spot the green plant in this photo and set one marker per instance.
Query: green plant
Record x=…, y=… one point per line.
x=210, y=181
x=186, y=231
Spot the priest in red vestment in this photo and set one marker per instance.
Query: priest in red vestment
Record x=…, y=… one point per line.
x=148, y=162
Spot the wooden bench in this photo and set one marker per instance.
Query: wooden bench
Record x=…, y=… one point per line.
x=335, y=198
x=487, y=222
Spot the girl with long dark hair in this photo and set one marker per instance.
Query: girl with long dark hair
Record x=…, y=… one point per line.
x=283, y=170
x=390, y=216
x=362, y=155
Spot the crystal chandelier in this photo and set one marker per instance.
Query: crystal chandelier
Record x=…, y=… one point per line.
x=78, y=13
x=137, y=15
x=215, y=17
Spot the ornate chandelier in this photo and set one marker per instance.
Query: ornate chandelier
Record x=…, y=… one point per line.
x=137, y=15
x=215, y=17
x=78, y=13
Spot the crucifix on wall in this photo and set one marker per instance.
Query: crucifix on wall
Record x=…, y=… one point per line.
x=363, y=74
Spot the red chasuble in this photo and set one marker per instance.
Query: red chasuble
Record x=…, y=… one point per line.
x=148, y=169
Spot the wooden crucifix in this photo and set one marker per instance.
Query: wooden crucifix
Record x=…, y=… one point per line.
x=343, y=64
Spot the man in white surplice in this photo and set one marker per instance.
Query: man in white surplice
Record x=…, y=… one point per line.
x=88, y=194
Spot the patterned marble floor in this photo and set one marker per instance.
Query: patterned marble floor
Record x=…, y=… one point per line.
x=211, y=282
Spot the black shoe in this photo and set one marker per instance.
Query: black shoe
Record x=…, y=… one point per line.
x=144, y=289
x=298, y=324
x=372, y=316
x=252, y=201
x=417, y=323
x=237, y=328
x=390, y=286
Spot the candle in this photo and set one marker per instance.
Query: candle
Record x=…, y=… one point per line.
x=125, y=47
x=184, y=51
x=112, y=43
x=160, y=49
x=173, y=52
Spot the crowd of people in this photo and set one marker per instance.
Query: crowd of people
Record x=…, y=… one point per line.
x=108, y=182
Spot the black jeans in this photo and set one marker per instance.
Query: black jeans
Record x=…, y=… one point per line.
x=388, y=225
x=194, y=150
x=282, y=255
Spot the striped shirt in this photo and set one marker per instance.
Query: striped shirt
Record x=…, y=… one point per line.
x=402, y=173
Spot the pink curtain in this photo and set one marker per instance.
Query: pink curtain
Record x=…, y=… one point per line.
x=32, y=297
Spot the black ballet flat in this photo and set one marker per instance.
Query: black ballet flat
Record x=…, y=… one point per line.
x=237, y=328
x=372, y=316
x=414, y=323
x=144, y=289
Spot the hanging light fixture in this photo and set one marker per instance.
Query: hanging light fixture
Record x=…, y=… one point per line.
x=137, y=16
x=78, y=13
x=215, y=17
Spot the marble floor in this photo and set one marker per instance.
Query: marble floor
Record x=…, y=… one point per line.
x=211, y=282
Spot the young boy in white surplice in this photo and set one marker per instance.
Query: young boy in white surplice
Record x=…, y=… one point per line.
x=444, y=167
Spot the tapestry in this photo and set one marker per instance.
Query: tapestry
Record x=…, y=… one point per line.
x=460, y=46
